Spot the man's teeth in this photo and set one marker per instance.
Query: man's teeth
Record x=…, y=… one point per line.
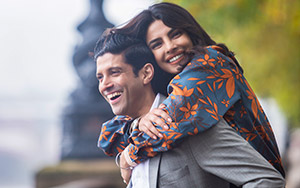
x=110, y=96
x=175, y=58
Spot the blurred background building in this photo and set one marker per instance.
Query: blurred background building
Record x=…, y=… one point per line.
x=47, y=82
x=49, y=106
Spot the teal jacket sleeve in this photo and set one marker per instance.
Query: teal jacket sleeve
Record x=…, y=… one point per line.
x=114, y=135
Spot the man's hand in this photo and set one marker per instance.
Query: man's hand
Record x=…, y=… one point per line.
x=125, y=173
x=156, y=115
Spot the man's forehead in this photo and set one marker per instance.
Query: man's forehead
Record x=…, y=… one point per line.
x=110, y=61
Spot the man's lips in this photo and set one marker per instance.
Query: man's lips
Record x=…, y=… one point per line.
x=114, y=95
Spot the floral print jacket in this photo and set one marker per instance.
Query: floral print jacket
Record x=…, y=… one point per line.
x=211, y=86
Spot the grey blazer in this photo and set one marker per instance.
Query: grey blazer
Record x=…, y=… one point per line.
x=214, y=158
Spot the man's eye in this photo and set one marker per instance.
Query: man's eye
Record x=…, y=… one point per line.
x=99, y=78
x=115, y=72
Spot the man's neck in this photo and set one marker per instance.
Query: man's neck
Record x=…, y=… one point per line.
x=146, y=104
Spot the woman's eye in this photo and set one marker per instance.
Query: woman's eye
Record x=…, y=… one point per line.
x=176, y=34
x=155, y=45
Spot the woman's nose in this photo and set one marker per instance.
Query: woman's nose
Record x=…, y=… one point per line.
x=170, y=46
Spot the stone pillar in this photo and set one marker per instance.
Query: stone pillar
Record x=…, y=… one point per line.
x=86, y=110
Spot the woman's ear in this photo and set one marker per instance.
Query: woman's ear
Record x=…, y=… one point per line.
x=147, y=73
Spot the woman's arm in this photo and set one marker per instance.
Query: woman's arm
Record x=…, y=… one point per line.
x=114, y=135
x=200, y=96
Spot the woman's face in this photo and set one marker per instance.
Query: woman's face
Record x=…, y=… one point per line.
x=169, y=46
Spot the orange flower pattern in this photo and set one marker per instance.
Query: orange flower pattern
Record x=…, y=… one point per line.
x=113, y=137
x=211, y=86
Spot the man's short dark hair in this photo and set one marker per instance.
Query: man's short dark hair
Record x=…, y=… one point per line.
x=136, y=53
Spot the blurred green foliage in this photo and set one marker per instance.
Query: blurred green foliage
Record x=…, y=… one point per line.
x=265, y=36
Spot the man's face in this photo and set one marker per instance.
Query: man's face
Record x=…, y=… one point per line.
x=118, y=84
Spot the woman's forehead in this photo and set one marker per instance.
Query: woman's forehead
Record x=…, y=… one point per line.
x=157, y=29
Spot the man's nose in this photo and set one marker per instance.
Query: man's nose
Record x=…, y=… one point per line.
x=105, y=84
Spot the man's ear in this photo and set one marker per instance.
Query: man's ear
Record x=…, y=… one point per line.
x=147, y=73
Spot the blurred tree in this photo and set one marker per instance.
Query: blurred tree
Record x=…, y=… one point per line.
x=265, y=35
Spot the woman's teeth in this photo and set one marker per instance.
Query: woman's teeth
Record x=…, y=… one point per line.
x=175, y=58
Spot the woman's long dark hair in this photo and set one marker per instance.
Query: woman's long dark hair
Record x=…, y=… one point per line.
x=176, y=17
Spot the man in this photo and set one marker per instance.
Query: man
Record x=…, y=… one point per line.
x=125, y=69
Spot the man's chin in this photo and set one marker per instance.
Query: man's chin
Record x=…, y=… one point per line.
x=118, y=112
x=115, y=111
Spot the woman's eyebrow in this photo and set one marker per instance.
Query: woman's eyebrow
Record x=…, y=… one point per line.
x=153, y=41
x=171, y=31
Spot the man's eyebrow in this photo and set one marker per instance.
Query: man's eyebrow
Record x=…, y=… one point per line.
x=113, y=68
x=98, y=74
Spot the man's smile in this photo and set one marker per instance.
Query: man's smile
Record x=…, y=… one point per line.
x=114, y=96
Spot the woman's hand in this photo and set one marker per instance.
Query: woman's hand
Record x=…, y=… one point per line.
x=125, y=171
x=154, y=116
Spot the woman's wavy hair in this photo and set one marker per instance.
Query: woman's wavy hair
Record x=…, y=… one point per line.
x=176, y=17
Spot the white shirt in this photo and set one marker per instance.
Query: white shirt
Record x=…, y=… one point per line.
x=140, y=173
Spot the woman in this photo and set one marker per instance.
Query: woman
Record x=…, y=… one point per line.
x=207, y=88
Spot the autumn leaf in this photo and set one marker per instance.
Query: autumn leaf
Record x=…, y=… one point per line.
x=206, y=60
x=210, y=87
x=209, y=100
x=177, y=77
x=220, y=85
x=230, y=87
x=104, y=133
x=211, y=77
x=209, y=111
x=185, y=92
x=188, y=110
x=194, y=79
x=203, y=101
x=254, y=108
x=184, y=109
x=200, y=90
x=227, y=73
x=200, y=82
x=213, y=114
x=245, y=130
x=216, y=108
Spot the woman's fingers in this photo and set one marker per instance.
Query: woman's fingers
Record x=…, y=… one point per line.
x=159, y=113
x=162, y=105
x=155, y=116
x=146, y=125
